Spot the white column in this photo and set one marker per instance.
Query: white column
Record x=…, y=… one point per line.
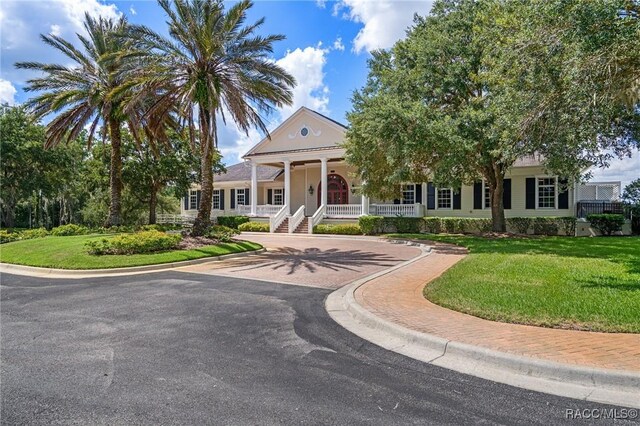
x=365, y=202
x=323, y=181
x=254, y=189
x=287, y=185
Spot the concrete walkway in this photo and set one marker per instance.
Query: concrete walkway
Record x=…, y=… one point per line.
x=398, y=297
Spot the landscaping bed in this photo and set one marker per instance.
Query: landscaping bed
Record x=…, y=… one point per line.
x=560, y=282
x=70, y=252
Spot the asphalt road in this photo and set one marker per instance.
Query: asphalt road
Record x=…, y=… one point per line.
x=183, y=348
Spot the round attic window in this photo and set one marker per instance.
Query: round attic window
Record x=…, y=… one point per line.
x=304, y=131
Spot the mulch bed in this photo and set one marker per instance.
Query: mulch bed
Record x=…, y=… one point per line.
x=189, y=242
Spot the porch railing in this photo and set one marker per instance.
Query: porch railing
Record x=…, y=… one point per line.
x=317, y=217
x=278, y=218
x=296, y=219
x=585, y=208
x=261, y=210
x=343, y=210
x=393, y=210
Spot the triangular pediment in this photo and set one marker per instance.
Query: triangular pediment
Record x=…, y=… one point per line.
x=304, y=130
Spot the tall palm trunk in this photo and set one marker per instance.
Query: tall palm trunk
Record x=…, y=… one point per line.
x=115, y=174
x=207, y=144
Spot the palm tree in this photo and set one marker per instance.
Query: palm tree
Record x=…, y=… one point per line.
x=211, y=66
x=82, y=95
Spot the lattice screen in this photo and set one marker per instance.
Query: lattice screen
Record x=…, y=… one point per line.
x=599, y=192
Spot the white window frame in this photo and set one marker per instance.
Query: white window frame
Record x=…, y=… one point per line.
x=193, y=199
x=238, y=192
x=216, y=193
x=555, y=192
x=409, y=188
x=438, y=198
x=273, y=196
x=486, y=195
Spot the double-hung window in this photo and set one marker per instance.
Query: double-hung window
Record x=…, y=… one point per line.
x=445, y=198
x=240, y=197
x=216, y=199
x=408, y=194
x=547, y=193
x=487, y=195
x=193, y=199
x=278, y=196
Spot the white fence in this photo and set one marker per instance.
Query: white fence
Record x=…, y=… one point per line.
x=599, y=191
x=343, y=210
x=174, y=219
x=393, y=210
x=264, y=210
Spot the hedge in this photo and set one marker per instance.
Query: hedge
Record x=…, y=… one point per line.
x=232, y=221
x=607, y=224
x=140, y=242
x=254, y=227
x=70, y=229
x=340, y=229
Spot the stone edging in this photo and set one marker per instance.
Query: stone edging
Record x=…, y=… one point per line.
x=591, y=384
x=33, y=271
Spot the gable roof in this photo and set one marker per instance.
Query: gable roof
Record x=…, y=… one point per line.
x=242, y=172
x=286, y=138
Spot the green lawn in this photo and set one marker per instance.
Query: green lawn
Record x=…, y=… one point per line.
x=69, y=253
x=561, y=282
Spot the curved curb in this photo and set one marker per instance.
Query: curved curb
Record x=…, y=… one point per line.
x=32, y=271
x=589, y=384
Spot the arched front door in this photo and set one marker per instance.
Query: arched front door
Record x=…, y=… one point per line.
x=337, y=190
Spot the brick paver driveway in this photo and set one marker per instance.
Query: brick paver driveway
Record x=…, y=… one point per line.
x=318, y=261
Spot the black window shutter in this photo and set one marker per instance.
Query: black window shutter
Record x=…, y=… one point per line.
x=477, y=196
x=198, y=194
x=247, y=197
x=233, y=199
x=506, y=194
x=186, y=200
x=269, y=196
x=396, y=201
x=418, y=193
x=531, y=193
x=431, y=196
x=457, y=199
x=222, y=199
x=563, y=197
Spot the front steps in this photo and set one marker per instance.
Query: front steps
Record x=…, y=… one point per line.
x=303, y=228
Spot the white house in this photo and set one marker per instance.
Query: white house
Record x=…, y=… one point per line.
x=299, y=178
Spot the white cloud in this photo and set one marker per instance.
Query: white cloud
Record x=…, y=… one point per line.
x=23, y=21
x=7, y=92
x=384, y=21
x=307, y=66
x=337, y=45
x=321, y=3
x=132, y=10
x=624, y=170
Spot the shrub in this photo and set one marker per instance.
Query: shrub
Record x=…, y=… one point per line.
x=254, y=227
x=433, y=225
x=140, y=242
x=457, y=225
x=7, y=237
x=341, y=229
x=221, y=233
x=70, y=229
x=370, y=225
x=232, y=221
x=607, y=224
x=545, y=226
x=568, y=225
x=404, y=225
x=483, y=225
x=164, y=227
x=520, y=224
x=34, y=233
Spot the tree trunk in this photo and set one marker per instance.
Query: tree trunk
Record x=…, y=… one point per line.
x=207, y=146
x=115, y=175
x=497, y=205
x=153, y=203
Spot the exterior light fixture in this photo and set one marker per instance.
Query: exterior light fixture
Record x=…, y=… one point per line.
x=310, y=189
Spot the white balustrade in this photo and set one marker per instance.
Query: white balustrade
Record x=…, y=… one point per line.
x=317, y=217
x=296, y=219
x=393, y=210
x=261, y=210
x=343, y=210
x=278, y=218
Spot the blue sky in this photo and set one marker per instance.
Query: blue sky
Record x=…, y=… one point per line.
x=326, y=48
